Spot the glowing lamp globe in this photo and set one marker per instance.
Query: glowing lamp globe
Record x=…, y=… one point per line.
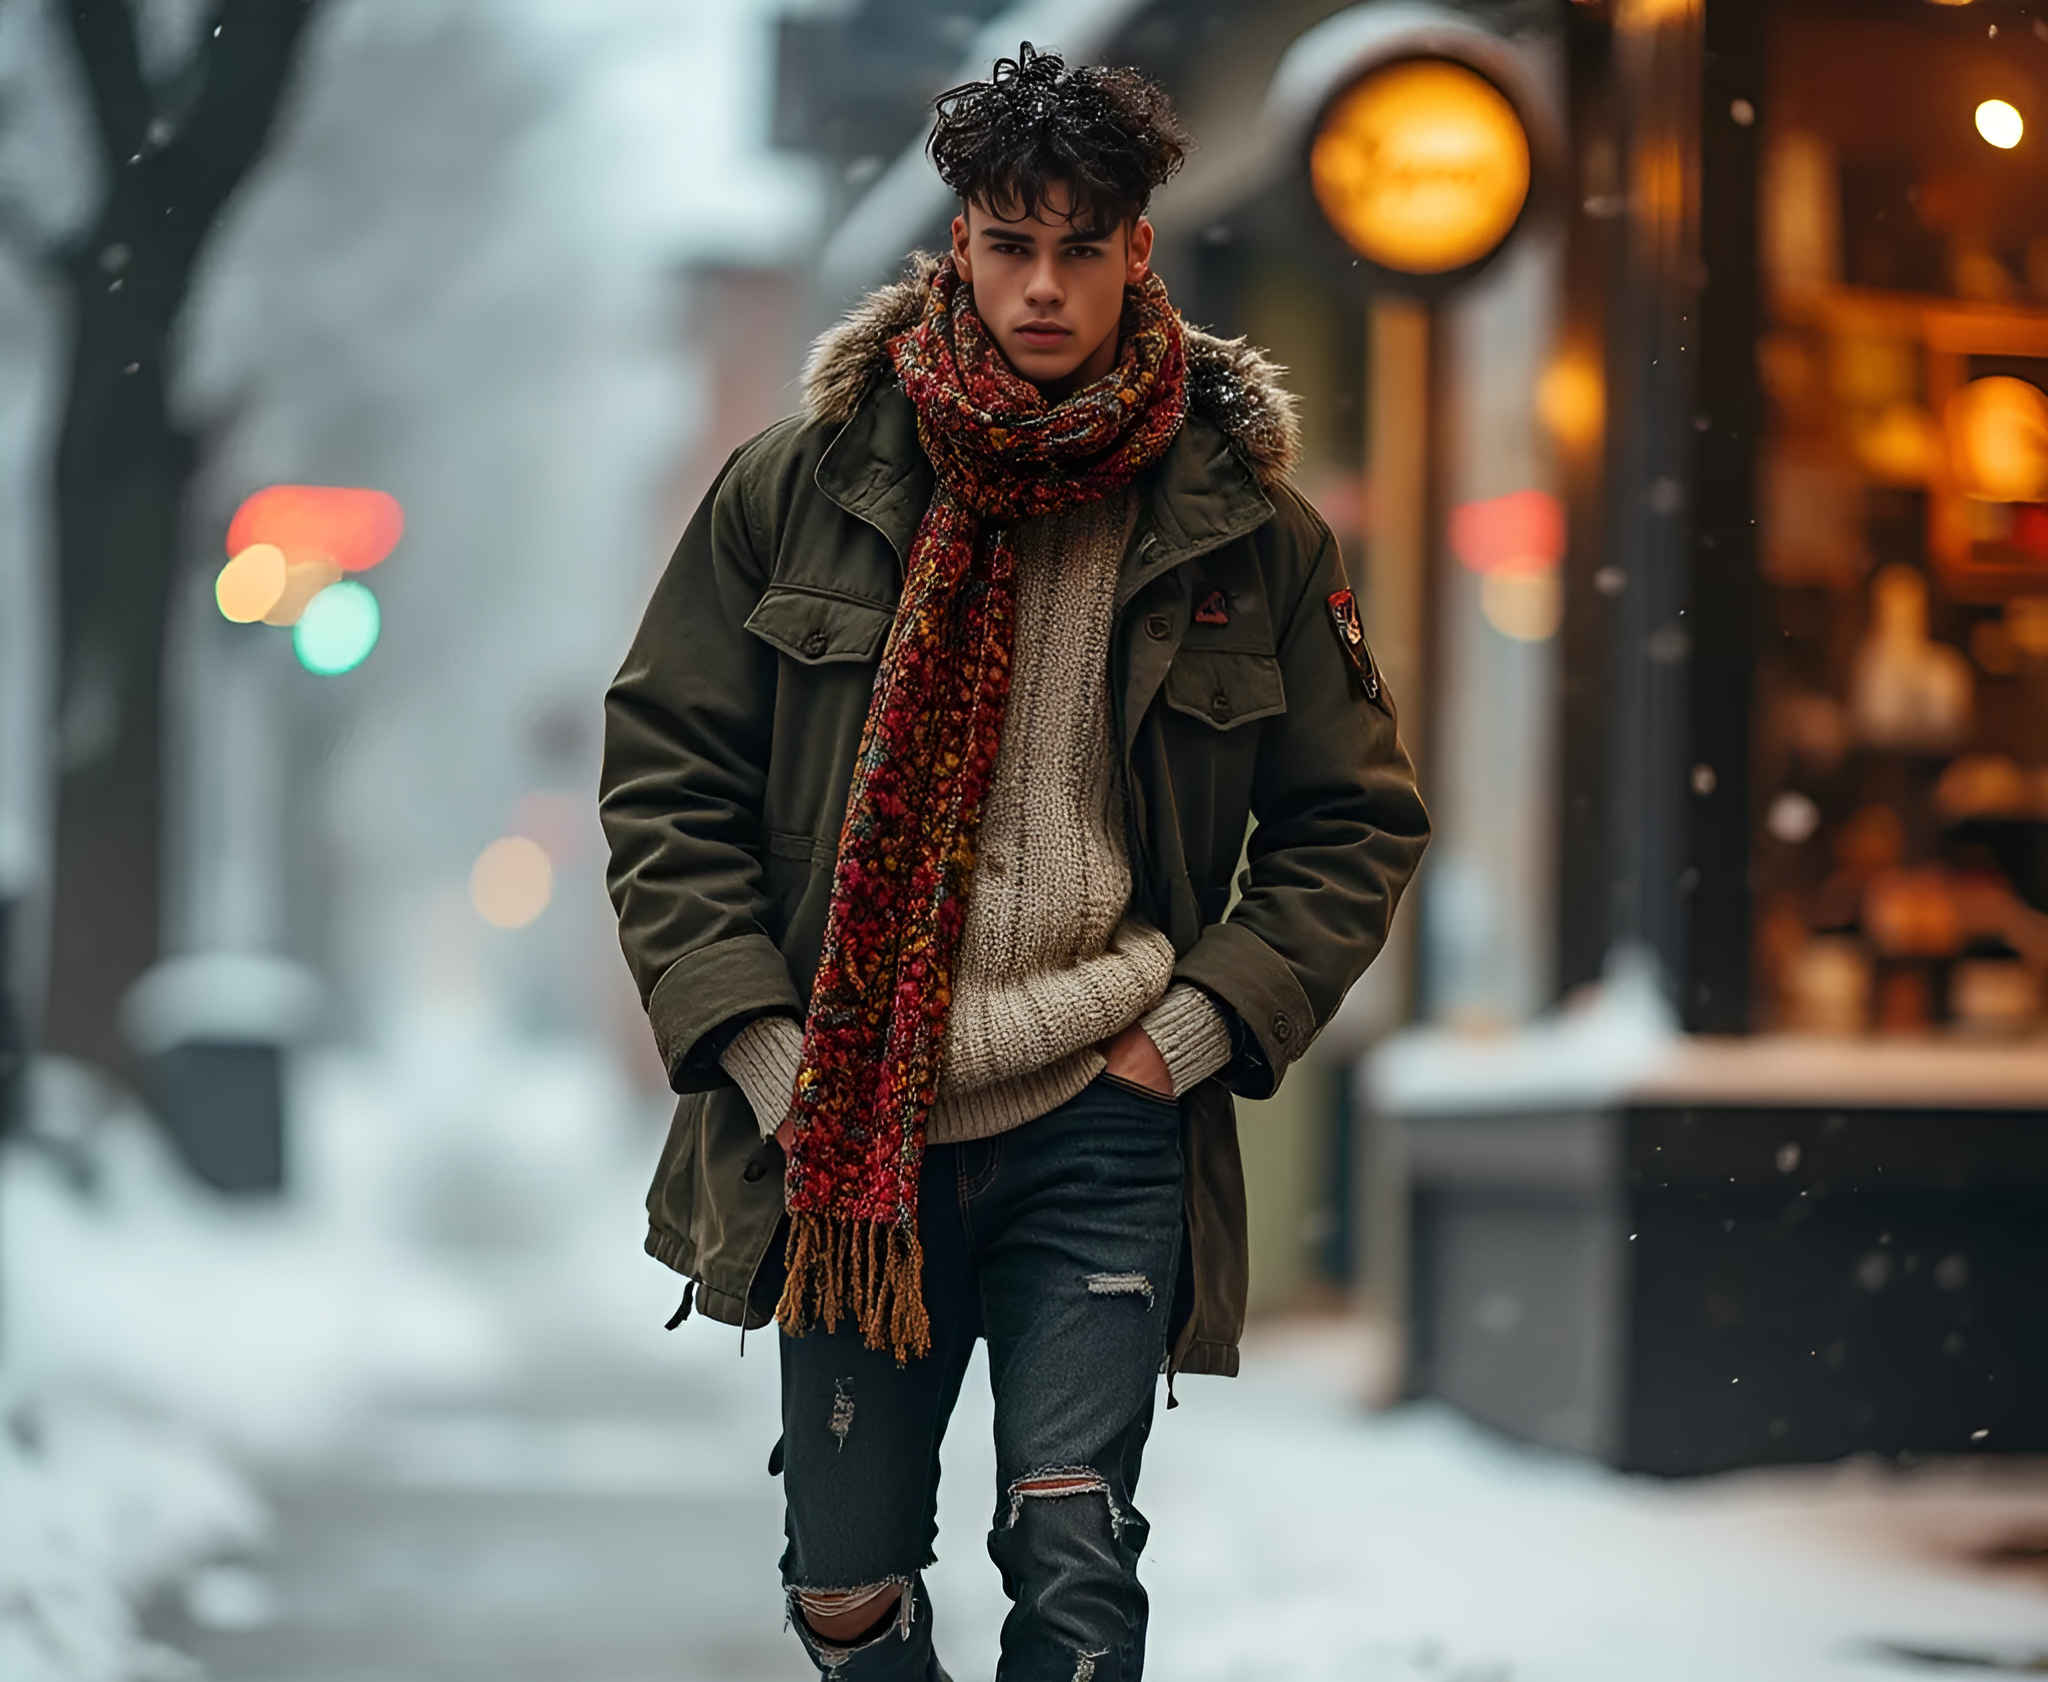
x=1422, y=166
x=352, y=529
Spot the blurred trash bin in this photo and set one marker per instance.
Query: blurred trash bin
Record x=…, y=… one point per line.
x=214, y=1030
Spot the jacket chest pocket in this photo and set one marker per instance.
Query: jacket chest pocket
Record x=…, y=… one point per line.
x=1225, y=688
x=820, y=630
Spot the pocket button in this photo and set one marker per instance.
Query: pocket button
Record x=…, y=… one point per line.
x=1219, y=707
x=815, y=643
x=1283, y=1028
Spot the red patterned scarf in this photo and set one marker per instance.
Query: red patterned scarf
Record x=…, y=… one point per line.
x=876, y=1034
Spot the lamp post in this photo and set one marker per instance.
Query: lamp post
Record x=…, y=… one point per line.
x=1422, y=167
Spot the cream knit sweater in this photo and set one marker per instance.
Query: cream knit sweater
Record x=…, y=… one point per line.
x=1051, y=962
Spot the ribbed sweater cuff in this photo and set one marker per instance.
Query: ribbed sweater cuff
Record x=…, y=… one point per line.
x=1192, y=1037
x=763, y=1059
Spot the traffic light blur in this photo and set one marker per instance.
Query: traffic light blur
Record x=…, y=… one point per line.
x=289, y=549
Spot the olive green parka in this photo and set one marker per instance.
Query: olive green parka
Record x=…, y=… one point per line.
x=1240, y=705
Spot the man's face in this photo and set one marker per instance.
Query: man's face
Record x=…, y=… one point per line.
x=1051, y=293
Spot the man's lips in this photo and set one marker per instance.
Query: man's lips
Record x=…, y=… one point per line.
x=1043, y=333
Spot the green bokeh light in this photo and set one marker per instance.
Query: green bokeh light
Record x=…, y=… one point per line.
x=338, y=629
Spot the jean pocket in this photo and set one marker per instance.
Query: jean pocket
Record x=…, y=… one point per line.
x=1119, y=1084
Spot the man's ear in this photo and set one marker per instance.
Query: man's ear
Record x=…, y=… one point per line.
x=962, y=264
x=1138, y=257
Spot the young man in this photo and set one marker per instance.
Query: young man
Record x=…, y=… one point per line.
x=926, y=781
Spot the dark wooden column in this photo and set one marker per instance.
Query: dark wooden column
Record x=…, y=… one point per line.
x=1725, y=612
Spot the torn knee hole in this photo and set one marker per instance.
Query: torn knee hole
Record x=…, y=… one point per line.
x=852, y=1617
x=1120, y=1285
x=840, y=1603
x=1058, y=1481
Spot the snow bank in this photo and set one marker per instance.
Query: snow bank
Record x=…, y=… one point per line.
x=1620, y=1032
x=98, y=1507
x=158, y=1335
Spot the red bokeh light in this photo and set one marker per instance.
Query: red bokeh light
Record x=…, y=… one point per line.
x=1520, y=532
x=355, y=528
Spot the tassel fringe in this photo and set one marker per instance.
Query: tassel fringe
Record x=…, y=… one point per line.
x=868, y=1272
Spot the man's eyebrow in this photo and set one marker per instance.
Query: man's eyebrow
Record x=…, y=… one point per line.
x=1021, y=230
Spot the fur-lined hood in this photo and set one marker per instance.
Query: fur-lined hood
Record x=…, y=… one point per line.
x=1230, y=384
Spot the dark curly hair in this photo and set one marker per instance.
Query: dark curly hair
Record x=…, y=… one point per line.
x=1110, y=136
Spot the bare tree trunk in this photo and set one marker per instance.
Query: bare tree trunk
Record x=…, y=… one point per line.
x=122, y=470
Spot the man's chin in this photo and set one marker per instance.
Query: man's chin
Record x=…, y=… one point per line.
x=1041, y=364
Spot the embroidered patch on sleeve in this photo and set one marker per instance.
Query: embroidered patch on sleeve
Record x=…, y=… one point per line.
x=1213, y=609
x=1351, y=638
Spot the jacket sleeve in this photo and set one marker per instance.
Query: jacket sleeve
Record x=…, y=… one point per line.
x=687, y=725
x=1339, y=830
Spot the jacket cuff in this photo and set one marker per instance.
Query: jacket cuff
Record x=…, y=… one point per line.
x=763, y=1060
x=1246, y=974
x=743, y=976
x=1192, y=1037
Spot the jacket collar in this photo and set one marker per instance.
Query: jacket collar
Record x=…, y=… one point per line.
x=1201, y=495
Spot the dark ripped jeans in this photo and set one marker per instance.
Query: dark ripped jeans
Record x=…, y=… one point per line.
x=1058, y=1242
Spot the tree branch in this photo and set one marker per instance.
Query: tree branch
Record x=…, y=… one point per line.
x=104, y=35
x=248, y=63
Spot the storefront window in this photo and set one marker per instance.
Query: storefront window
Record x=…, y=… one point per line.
x=1901, y=770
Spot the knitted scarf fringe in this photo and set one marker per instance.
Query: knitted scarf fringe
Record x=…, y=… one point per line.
x=868, y=1272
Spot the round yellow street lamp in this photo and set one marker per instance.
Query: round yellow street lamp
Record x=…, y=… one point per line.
x=1422, y=166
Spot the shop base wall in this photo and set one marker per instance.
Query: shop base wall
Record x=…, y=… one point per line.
x=1690, y=1290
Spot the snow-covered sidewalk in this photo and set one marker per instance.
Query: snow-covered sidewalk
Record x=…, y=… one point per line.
x=453, y=1310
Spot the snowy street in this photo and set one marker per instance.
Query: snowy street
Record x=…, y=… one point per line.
x=481, y=1456
x=615, y=1525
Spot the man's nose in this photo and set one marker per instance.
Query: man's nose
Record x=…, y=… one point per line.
x=1042, y=290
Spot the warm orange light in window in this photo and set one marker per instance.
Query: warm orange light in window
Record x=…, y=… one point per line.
x=1998, y=440
x=1572, y=401
x=355, y=529
x=2000, y=124
x=1422, y=166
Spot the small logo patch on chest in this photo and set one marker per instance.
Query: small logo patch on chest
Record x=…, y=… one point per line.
x=1213, y=609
